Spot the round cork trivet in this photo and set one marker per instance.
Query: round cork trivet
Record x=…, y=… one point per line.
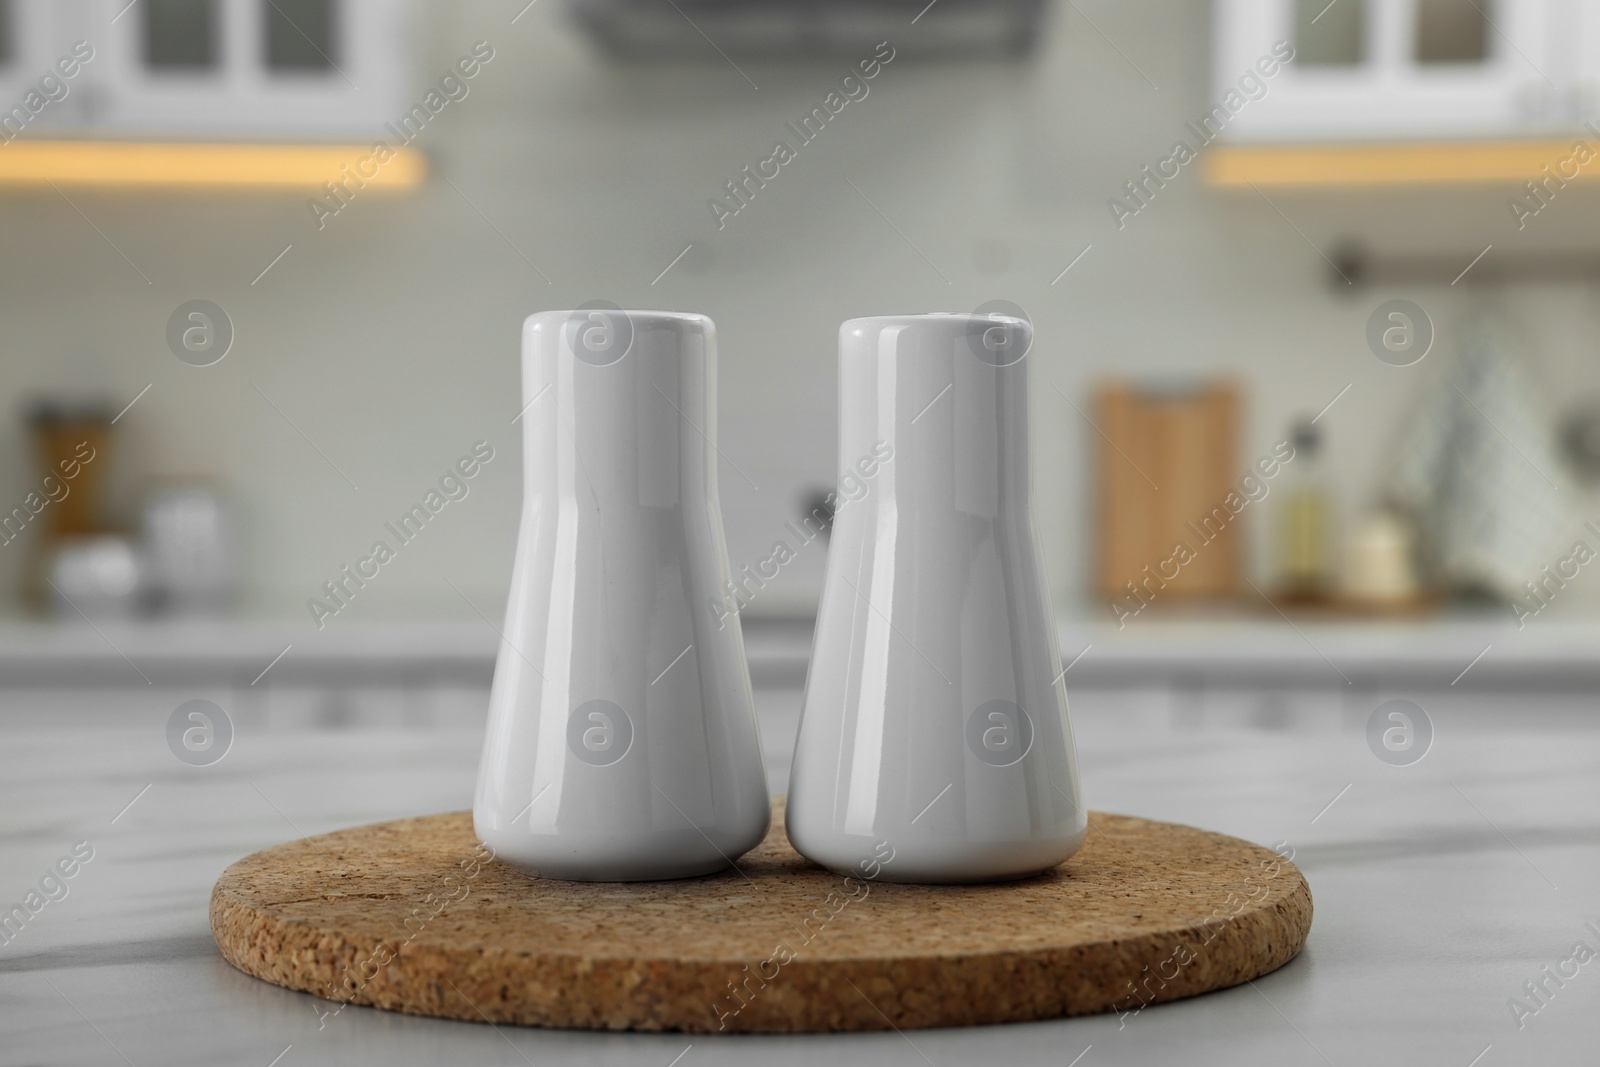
x=411, y=916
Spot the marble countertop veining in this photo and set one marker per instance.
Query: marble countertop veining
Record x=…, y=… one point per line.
x=1441, y=888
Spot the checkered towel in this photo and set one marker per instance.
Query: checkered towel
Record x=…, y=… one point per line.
x=1478, y=467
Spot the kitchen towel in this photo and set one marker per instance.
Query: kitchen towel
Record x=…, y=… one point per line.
x=1477, y=465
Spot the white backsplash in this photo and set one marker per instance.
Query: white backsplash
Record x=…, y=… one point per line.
x=389, y=338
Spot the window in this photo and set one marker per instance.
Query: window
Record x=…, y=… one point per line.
x=180, y=34
x=1452, y=31
x=300, y=35
x=1329, y=34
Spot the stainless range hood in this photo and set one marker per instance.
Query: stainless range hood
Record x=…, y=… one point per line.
x=687, y=29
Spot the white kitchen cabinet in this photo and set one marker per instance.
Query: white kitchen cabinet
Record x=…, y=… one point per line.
x=233, y=68
x=1409, y=69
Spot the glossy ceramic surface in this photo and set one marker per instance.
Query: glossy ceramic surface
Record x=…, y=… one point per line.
x=622, y=742
x=934, y=745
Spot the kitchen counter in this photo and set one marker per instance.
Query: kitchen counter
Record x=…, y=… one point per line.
x=1440, y=889
x=1232, y=648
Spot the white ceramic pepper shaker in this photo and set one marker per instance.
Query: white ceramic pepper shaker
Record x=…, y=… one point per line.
x=935, y=722
x=622, y=741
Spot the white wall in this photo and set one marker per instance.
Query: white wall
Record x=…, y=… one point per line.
x=390, y=337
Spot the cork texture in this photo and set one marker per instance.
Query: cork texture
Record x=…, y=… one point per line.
x=414, y=916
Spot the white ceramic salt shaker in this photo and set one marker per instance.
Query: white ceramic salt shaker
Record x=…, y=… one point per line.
x=622, y=739
x=934, y=744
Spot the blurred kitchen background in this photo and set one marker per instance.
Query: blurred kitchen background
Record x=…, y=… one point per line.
x=1377, y=252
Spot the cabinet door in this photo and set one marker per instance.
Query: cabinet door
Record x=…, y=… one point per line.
x=1585, y=41
x=219, y=67
x=1391, y=69
x=34, y=93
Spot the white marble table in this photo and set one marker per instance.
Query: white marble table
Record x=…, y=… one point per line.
x=1440, y=889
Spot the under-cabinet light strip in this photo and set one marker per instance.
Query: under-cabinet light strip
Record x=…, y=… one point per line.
x=154, y=164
